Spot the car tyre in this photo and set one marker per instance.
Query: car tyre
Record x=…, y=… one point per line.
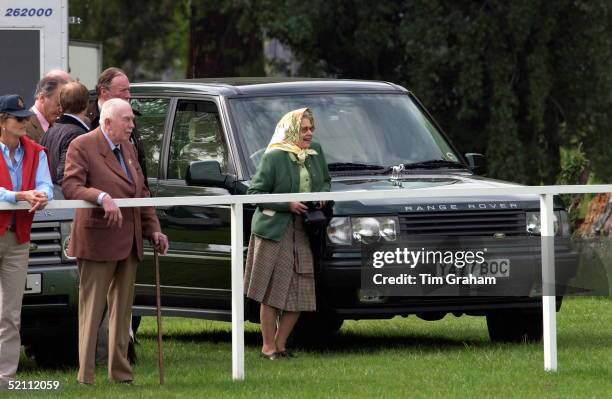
x=313, y=328
x=136, y=320
x=515, y=326
x=56, y=355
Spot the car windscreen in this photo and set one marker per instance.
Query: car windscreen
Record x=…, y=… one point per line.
x=360, y=129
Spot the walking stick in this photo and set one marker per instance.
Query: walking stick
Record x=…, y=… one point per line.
x=160, y=353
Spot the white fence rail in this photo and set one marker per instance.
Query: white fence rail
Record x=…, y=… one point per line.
x=236, y=202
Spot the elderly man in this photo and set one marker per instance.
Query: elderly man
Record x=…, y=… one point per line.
x=59, y=73
x=101, y=165
x=24, y=176
x=46, y=107
x=114, y=83
x=74, y=97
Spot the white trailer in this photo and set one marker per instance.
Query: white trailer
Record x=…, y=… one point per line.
x=85, y=61
x=33, y=39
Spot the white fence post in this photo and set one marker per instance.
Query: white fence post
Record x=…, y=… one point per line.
x=237, y=294
x=549, y=310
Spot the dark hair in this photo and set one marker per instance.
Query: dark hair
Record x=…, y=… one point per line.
x=74, y=98
x=107, y=76
x=48, y=85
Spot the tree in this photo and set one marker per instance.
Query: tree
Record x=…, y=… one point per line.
x=224, y=40
x=516, y=80
x=145, y=39
x=341, y=38
x=173, y=39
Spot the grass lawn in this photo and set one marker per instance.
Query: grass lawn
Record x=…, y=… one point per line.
x=402, y=357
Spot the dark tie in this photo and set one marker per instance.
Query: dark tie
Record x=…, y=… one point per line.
x=117, y=153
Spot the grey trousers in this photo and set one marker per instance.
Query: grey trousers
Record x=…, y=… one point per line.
x=13, y=271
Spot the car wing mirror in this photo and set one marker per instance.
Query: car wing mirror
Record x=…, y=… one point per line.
x=477, y=163
x=206, y=173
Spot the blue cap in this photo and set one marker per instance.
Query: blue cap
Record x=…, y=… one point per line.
x=13, y=105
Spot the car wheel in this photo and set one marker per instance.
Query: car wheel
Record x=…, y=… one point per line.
x=515, y=326
x=315, y=328
x=58, y=354
x=136, y=323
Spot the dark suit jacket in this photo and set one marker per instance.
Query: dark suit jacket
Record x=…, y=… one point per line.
x=93, y=113
x=57, y=139
x=33, y=128
x=91, y=168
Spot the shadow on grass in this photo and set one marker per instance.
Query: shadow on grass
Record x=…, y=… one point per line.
x=353, y=338
x=342, y=342
x=360, y=342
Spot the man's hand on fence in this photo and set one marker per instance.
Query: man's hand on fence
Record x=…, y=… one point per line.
x=112, y=213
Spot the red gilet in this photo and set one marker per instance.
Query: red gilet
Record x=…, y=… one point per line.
x=29, y=164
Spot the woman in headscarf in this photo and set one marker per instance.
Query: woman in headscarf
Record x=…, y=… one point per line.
x=279, y=272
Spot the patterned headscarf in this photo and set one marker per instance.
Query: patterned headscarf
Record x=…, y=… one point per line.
x=287, y=134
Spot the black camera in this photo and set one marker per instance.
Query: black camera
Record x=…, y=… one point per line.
x=312, y=205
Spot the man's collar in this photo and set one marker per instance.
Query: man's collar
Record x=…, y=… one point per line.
x=41, y=119
x=79, y=119
x=110, y=142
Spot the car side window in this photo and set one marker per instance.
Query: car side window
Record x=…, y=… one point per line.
x=150, y=119
x=196, y=136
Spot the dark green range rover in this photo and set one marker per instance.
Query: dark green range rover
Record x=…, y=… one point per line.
x=375, y=136
x=50, y=302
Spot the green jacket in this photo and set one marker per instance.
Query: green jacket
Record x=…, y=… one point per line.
x=276, y=174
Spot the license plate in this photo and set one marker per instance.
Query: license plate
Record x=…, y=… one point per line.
x=499, y=268
x=33, y=284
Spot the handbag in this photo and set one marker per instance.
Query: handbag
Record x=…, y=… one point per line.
x=315, y=218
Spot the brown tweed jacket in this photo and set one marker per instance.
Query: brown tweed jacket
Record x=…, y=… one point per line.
x=33, y=128
x=92, y=168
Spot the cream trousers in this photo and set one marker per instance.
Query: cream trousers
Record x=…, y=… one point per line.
x=13, y=271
